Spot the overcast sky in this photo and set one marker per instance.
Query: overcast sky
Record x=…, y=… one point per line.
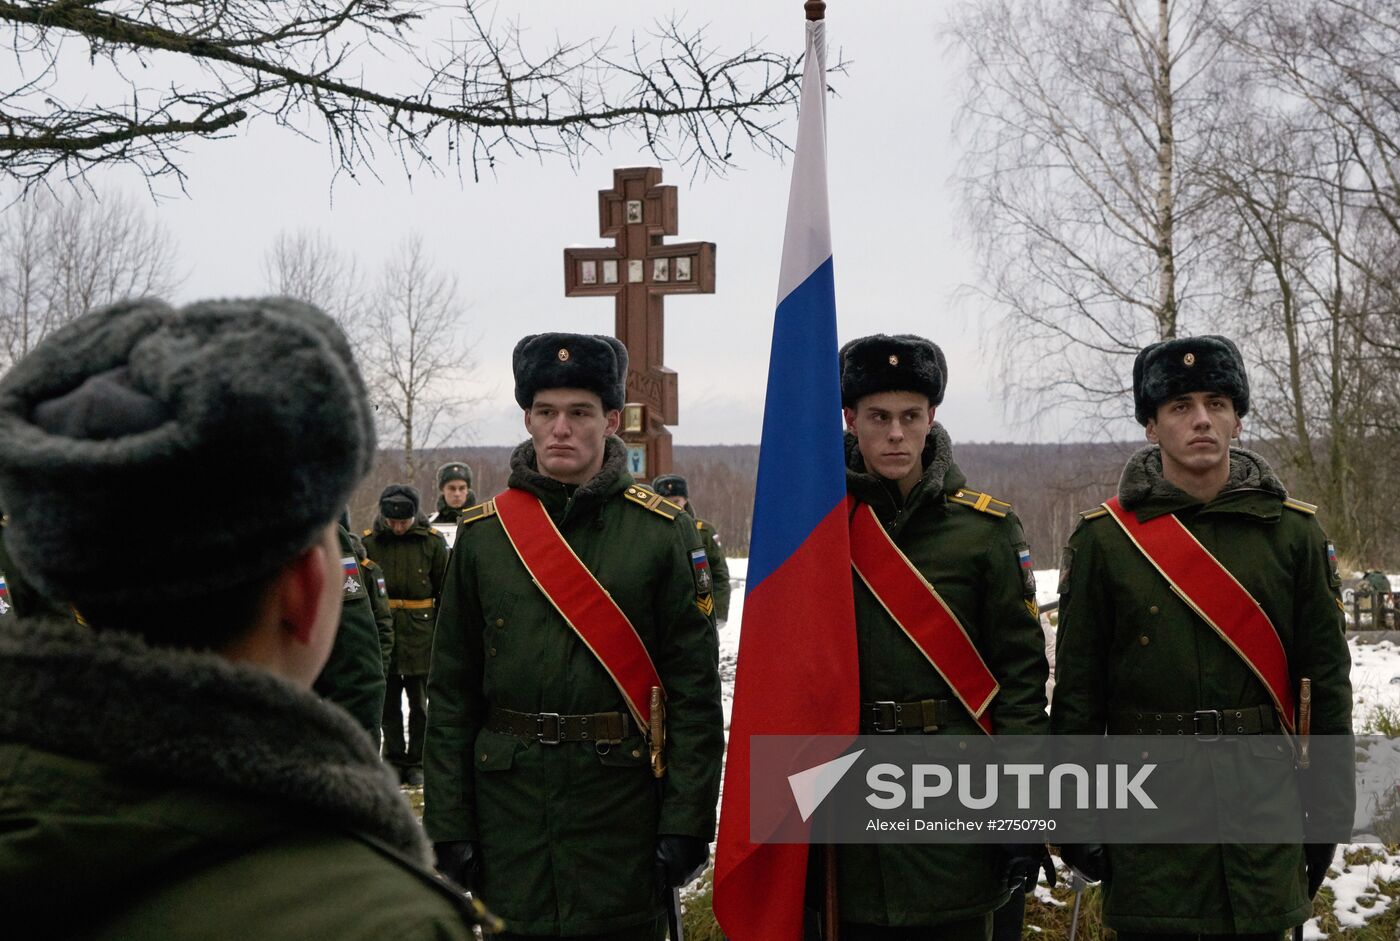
x=900, y=256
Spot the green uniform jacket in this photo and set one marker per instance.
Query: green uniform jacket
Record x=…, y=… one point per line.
x=567, y=833
x=379, y=601
x=719, y=568
x=353, y=677
x=184, y=796
x=971, y=558
x=414, y=566
x=1126, y=642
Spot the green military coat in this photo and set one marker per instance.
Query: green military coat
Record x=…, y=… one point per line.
x=187, y=796
x=353, y=677
x=1126, y=642
x=379, y=602
x=971, y=557
x=567, y=833
x=414, y=566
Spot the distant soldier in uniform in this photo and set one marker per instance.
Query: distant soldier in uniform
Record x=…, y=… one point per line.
x=913, y=515
x=454, y=481
x=1135, y=658
x=353, y=677
x=168, y=772
x=413, y=558
x=673, y=487
x=571, y=597
x=17, y=599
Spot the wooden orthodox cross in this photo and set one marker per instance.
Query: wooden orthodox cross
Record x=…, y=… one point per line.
x=639, y=271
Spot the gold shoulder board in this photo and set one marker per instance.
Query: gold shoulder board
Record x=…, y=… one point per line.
x=1300, y=506
x=653, y=501
x=479, y=512
x=982, y=502
x=370, y=531
x=1095, y=513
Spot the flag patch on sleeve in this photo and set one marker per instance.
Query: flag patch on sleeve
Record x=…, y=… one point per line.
x=351, y=570
x=700, y=566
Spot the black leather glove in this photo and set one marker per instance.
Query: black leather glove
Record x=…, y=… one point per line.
x=459, y=861
x=1089, y=858
x=1318, y=857
x=1023, y=861
x=679, y=860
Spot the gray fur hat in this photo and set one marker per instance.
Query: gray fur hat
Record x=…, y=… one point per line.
x=1188, y=364
x=120, y=423
x=899, y=363
x=454, y=470
x=671, y=485
x=570, y=361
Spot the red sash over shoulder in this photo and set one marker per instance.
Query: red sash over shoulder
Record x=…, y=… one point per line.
x=1202, y=582
x=919, y=611
x=583, y=602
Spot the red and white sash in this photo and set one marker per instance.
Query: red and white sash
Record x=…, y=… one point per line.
x=1202, y=582
x=919, y=611
x=580, y=599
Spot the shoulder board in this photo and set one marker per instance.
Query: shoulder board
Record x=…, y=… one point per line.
x=652, y=501
x=701, y=524
x=479, y=512
x=370, y=531
x=1094, y=513
x=982, y=502
x=368, y=563
x=1300, y=506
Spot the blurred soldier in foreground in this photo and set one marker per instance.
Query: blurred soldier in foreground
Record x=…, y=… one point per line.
x=413, y=558
x=454, y=481
x=165, y=769
x=1143, y=651
x=673, y=487
x=575, y=734
x=918, y=532
x=353, y=677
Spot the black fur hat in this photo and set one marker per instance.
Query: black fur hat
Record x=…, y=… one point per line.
x=1188, y=364
x=398, y=502
x=899, y=363
x=671, y=485
x=140, y=408
x=570, y=361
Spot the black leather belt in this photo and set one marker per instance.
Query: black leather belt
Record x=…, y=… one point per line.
x=1206, y=723
x=551, y=728
x=888, y=717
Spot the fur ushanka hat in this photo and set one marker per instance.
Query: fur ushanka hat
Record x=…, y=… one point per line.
x=1170, y=368
x=570, y=361
x=120, y=423
x=899, y=363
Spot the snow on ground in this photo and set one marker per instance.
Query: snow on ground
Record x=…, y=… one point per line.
x=1375, y=677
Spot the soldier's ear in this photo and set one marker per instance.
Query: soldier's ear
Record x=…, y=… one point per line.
x=1151, y=431
x=614, y=417
x=850, y=415
x=527, y=419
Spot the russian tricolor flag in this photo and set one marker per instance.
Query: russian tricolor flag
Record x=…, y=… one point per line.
x=797, y=671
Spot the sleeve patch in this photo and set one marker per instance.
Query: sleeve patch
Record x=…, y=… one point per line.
x=1023, y=559
x=350, y=568
x=700, y=567
x=706, y=604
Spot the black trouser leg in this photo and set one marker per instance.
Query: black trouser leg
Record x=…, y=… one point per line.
x=417, y=689
x=1008, y=921
x=393, y=721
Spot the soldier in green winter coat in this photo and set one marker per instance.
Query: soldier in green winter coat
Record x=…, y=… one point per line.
x=1129, y=647
x=353, y=677
x=413, y=558
x=455, y=494
x=165, y=769
x=17, y=599
x=540, y=788
x=970, y=548
x=674, y=488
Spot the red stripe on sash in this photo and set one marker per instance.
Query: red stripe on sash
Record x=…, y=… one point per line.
x=1217, y=596
x=580, y=599
x=919, y=611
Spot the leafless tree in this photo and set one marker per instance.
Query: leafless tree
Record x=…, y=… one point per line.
x=438, y=84
x=1082, y=122
x=59, y=259
x=417, y=359
x=307, y=264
